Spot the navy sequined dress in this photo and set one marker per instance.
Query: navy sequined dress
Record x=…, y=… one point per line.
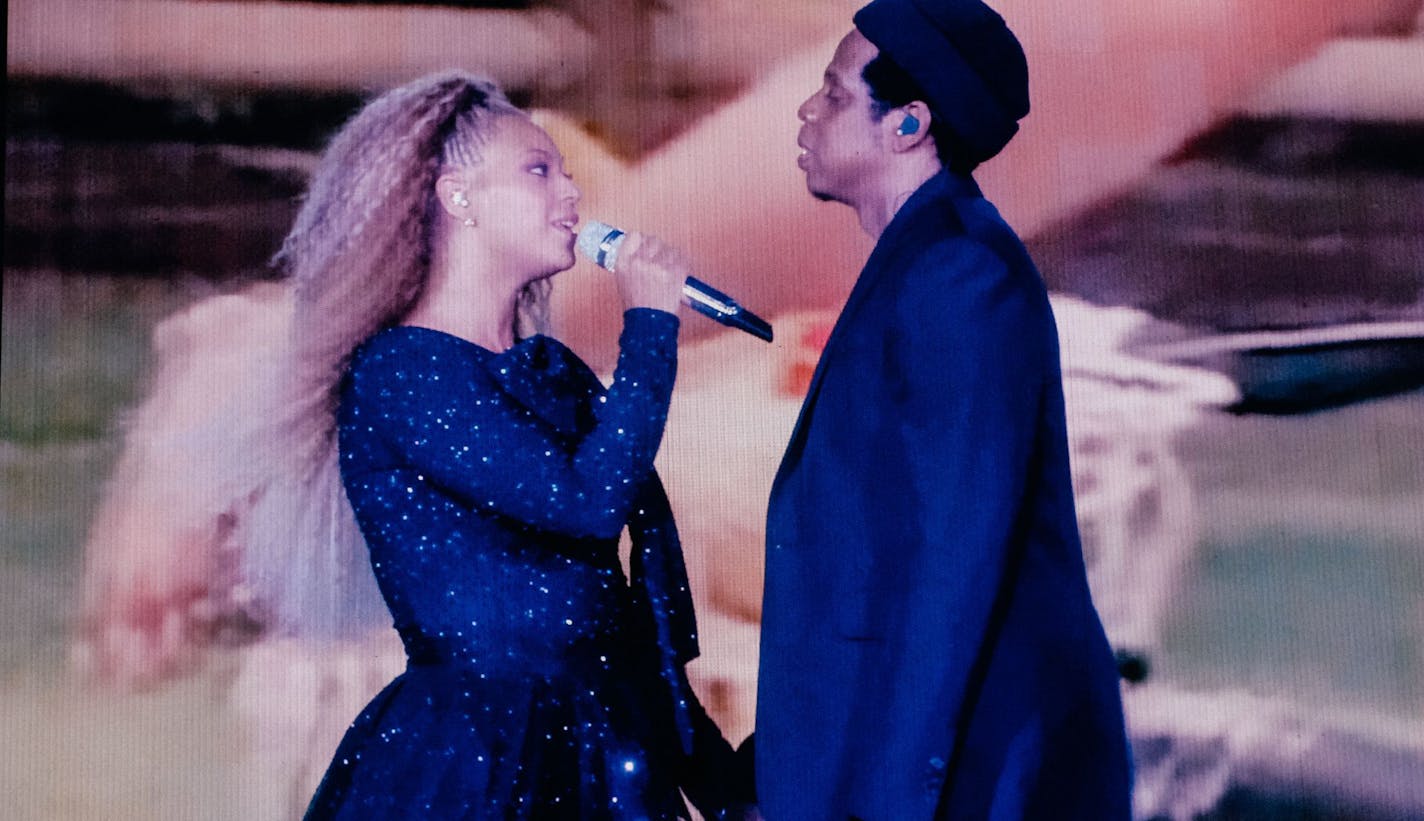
x=492, y=490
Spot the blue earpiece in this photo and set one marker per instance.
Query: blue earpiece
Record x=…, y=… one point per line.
x=908, y=126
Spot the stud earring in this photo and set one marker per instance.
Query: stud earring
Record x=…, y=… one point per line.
x=460, y=199
x=469, y=222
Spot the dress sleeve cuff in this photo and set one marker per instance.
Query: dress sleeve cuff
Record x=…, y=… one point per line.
x=650, y=328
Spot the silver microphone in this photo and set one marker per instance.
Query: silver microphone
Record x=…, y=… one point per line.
x=600, y=243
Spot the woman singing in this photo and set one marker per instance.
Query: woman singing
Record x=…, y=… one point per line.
x=491, y=475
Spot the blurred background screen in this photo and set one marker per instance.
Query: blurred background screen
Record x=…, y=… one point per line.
x=1226, y=200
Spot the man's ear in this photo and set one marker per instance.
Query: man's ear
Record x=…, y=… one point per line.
x=453, y=190
x=911, y=123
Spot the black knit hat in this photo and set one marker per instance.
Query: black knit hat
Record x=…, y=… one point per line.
x=961, y=52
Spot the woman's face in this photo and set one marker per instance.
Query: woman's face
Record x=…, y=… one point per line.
x=524, y=201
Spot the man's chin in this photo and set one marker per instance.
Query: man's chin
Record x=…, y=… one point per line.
x=819, y=192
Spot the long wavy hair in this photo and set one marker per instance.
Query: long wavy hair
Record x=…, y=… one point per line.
x=358, y=257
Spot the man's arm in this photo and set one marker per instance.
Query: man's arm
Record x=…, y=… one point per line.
x=969, y=378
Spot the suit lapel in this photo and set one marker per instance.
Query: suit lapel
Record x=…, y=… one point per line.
x=853, y=302
x=883, y=258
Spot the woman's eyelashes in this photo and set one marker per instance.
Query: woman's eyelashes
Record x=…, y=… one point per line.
x=543, y=169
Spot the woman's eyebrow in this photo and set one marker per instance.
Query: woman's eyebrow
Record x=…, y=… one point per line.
x=552, y=157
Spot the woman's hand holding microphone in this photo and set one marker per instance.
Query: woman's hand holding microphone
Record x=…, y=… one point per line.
x=650, y=273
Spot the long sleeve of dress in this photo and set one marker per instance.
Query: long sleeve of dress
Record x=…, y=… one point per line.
x=461, y=430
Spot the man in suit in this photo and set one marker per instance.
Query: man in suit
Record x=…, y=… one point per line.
x=929, y=646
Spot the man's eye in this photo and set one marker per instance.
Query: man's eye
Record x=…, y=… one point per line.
x=541, y=169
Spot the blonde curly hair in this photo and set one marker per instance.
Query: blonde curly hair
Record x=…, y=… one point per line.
x=358, y=256
x=359, y=250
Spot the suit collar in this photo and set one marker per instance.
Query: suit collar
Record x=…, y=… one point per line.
x=942, y=187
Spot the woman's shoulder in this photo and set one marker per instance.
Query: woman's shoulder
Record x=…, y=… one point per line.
x=399, y=342
x=408, y=352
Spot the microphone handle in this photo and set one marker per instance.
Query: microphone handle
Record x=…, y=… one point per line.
x=700, y=295
x=712, y=303
x=600, y=243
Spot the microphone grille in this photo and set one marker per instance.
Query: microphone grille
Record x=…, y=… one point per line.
x=590, y=236
x=590, y=240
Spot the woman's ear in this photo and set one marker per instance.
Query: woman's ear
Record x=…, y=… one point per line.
x=453, y=190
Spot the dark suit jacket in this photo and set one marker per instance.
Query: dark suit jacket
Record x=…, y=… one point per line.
x=929, y=647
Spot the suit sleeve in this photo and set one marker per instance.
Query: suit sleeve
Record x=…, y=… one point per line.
x=465, y=435
x=716, y=779
x=967, y=379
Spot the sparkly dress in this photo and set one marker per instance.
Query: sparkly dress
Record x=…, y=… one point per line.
x=540, y=683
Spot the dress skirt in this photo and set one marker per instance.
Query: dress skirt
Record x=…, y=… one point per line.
x=444, y=742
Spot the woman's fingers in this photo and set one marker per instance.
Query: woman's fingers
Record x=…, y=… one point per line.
x=650, y=273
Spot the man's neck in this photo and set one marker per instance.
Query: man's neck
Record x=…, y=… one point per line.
x=900, y=183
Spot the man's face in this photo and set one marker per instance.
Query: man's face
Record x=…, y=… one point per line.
x=842, y=146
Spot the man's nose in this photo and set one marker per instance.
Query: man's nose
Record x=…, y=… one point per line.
x=805, y=112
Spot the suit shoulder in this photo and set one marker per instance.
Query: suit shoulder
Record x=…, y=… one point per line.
x=959, y=251
x=967, y=268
